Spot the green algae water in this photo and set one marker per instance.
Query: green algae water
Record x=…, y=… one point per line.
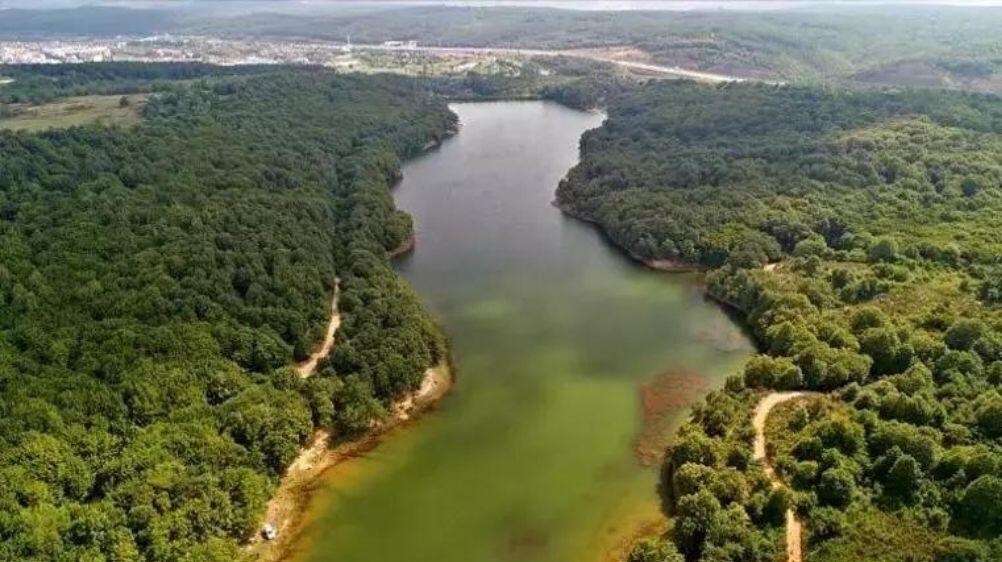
x=532, y=457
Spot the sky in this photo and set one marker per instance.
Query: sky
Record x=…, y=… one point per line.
x=306, y=6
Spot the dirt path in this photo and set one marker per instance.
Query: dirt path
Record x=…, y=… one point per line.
x=306, y=367
x=286, y=507
x=794, y=528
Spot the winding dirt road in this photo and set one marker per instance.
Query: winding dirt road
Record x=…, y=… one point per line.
x=794, y=528
x=309, y=365
x=288, y=503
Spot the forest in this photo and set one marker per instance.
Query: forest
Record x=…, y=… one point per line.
x=856, y=234
x=157, y=283
x=39, y=83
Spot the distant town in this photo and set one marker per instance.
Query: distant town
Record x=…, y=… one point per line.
x=189, y=49
x=406, y=57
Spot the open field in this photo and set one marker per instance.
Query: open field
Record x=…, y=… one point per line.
x=69, y=112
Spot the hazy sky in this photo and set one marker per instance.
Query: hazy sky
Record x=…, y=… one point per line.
x=327, y=5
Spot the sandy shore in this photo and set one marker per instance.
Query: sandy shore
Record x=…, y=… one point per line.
x=675, y=266
x=290, y=499
x=301, y=479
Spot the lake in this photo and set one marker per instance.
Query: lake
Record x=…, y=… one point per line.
x=542, y=452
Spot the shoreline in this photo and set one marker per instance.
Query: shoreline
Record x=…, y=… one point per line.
x=652, y=526
x=292, y=496
x=405, y=247
x=662, y=265
x=295, y=491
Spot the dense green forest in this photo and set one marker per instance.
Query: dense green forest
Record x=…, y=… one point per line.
x=879, y=213
x=156, y=283
x=39, y=83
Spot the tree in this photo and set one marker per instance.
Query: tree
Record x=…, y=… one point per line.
x=836, y=487
x=964, y=333
x=692, y=447
x=884, y=347
x=978, y=511
x=813, y=245
x=693, y=517
x=903, y=478
x=989, y=417
x=763, y=371
x=779, y=500
x=868, y=317
x=654, y=550
x=970, y=187
x=827, y=523
x=884, y=250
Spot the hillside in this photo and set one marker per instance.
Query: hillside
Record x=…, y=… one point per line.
x=918, y=46
x=157, y=284
x=950, y=47
x=878, y=214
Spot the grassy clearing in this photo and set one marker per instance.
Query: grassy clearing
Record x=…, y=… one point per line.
x=877, y=536
x=69, y=112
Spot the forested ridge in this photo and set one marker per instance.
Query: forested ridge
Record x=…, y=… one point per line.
x=39, y=83
x=879, y=213
x=155, y=285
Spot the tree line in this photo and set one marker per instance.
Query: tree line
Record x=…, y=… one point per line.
x=40, y=83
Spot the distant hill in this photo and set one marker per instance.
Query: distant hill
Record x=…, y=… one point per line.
x=83, y=22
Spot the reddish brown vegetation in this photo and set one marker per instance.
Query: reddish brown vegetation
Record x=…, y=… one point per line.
x=663, y=401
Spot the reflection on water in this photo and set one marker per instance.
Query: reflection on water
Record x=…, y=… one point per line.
x=556, y=338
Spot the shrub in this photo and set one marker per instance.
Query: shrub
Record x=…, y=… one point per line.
x=836, y=487
x=956, y=549
x=826, y=523
x=867, y=317
x=963, y=334
x=654, y=550
x=884, y=250
x=763, y=371
x=989, y=417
